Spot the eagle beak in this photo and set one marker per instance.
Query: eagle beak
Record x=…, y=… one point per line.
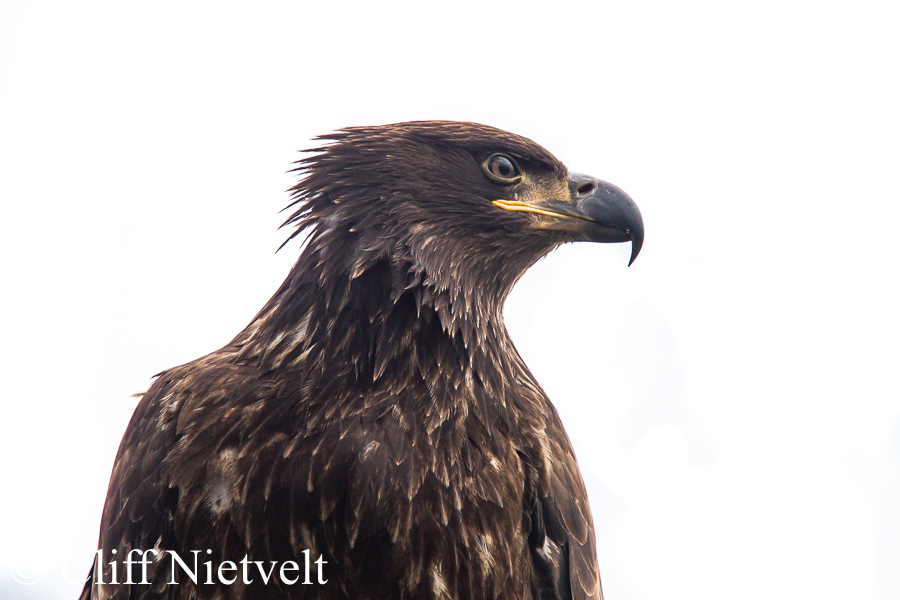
x=612, y=215
x=598, y=212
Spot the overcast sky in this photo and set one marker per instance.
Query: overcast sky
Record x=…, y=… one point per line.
x=733, y=396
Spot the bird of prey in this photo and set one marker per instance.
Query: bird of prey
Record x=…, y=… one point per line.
x=373, y=430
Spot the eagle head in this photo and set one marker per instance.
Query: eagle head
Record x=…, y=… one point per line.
x=461, y=209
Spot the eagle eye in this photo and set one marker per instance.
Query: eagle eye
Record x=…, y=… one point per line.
x=501, y=169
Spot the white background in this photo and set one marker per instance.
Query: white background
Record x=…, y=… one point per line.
x=732, y=397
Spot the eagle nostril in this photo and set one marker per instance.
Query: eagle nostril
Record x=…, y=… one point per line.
x=586, y=189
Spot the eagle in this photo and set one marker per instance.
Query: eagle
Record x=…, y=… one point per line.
x=373, y=432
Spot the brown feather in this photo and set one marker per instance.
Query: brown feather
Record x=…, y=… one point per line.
x=375, y=411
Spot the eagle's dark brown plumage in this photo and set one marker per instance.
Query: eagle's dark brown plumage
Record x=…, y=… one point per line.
x=375, y=411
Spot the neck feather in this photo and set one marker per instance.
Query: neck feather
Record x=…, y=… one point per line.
x=383, y=311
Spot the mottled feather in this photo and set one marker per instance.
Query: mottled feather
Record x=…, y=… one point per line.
x=375, y=412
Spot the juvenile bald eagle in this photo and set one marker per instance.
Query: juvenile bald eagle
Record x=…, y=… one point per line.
x=374, y=422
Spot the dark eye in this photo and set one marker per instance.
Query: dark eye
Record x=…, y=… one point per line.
x=501, y=169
